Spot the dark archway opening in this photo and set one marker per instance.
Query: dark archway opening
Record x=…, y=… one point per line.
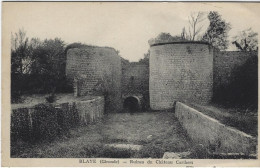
x=131, y=104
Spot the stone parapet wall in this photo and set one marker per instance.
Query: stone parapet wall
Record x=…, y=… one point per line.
x=217, y=137
x=46, y=121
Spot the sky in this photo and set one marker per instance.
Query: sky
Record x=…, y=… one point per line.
x=127, y=26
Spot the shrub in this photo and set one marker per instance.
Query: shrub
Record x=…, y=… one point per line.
x=45, y=124
x=51, y=98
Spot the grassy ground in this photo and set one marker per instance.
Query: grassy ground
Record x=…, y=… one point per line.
x=157, y=132
x=242, y=119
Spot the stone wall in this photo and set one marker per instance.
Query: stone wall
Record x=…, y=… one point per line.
x=235, y=76
x=217, y=137
x=225, y=62
x=96, y=71
x=135, y=78
x=46, y=121
x=181, y=71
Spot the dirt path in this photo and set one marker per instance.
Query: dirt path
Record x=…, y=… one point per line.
x=136, y=128
x=156, y=132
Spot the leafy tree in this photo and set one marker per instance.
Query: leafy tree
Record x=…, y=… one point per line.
x=27, y=62
x=19, y=51
x=48, y=56
x=49, y=62
x=37, y=66
x=217, y=32
x=246, y=40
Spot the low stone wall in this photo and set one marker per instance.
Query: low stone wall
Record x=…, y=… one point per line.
x=217, y=137
x=46, y=121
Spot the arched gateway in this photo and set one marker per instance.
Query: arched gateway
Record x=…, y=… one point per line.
x=132, y=104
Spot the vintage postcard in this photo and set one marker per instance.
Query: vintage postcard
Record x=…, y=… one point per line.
x=127, y=84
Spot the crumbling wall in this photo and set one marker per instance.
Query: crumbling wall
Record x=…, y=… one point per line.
x=180, y=71
x=96, y=71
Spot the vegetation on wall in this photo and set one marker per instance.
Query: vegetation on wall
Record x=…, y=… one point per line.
x=145, y=60
x=74, y=45
x=164, y=38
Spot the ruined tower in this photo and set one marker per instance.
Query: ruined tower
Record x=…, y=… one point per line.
x=180, y=71
x=96, y=71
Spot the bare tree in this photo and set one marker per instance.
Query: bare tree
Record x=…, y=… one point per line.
x=246, y=40
x=194, y=24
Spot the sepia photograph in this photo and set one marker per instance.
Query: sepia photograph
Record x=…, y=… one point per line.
x=129, y=83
